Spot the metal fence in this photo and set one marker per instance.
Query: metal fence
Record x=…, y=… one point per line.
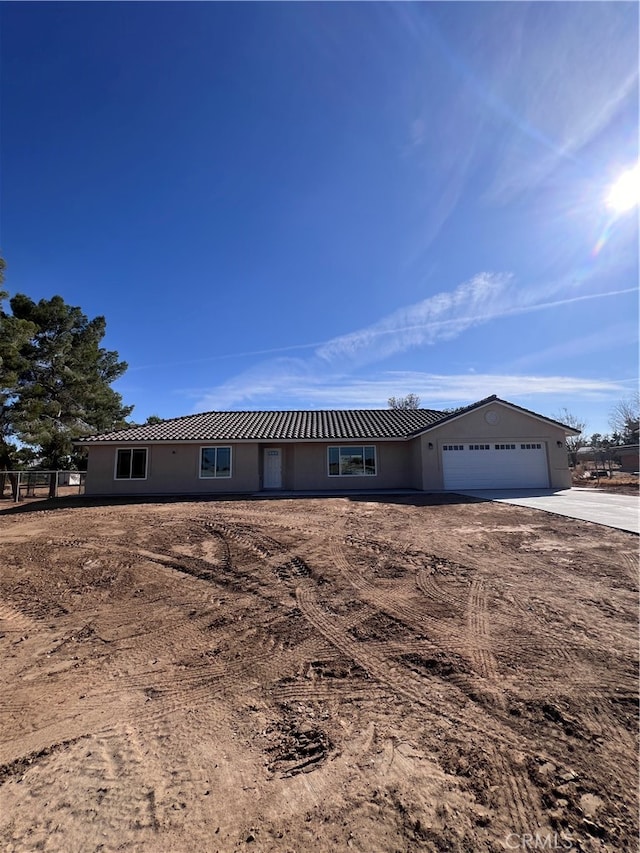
x=19, y=485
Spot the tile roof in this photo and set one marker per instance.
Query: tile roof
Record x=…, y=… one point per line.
x=301, y=425
x=282, y=425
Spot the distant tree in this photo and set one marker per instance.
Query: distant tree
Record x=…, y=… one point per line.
x=411, y=401
x=573, y=442
x=150, y=421
x=604, y=449
x=56, y=382
x=624, y=420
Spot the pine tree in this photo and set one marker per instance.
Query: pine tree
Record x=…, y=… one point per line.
x=56, y=385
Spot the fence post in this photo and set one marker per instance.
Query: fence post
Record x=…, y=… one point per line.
x=16, y=495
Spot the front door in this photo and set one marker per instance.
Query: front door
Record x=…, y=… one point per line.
x=272, y=468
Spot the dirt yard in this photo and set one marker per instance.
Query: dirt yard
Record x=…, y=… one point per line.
x=620, y=483
x=336, y=674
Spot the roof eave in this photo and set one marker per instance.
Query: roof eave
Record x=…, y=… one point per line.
x=158, y=441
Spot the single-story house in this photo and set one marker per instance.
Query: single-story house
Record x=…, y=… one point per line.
x=489, y=444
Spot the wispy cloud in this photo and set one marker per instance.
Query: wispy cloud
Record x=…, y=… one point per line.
x=487, y=296
x=441, y=317
x=327, y=373
x=437, y=390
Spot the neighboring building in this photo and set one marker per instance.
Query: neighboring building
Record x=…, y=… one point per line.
x=490, y=444
x=627, y=456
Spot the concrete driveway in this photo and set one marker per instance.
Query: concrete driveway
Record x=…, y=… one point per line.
x=621, y=511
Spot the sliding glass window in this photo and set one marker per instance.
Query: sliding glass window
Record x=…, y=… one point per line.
x=352, y=461
x=131, y=463
x=215, y=462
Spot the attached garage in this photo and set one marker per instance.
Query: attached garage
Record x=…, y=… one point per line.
x=499, y=464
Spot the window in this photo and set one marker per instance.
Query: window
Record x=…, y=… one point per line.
x=215, y=462
x=505, y=447
x=530, y=447
x=453, y=447
x=352, y=461
x=131, y=463
x=479, y=447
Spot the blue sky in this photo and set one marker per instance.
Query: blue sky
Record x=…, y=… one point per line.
x=319, y=205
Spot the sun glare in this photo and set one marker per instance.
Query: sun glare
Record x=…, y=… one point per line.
x=625, y=193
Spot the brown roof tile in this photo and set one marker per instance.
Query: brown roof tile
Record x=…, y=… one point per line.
x=302, y=425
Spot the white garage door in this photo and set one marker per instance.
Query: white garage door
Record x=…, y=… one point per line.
x=498, y=465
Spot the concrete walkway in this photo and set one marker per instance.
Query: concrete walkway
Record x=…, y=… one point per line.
x=620, y=511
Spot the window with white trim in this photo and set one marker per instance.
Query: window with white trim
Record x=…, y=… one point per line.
x=530, y=447
x=131, y=463
x=505, y=447
x=352, y=461
x=215, y=462
x=479, y=447
x=453, y=447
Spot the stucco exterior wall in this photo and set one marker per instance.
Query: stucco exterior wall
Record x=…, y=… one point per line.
x=512, y=426
x=172, y=469
x=416, y=464
x=309, y=467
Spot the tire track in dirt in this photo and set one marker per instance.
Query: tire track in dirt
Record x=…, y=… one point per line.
x=427, y=582
x=18, y=766
x=599, y=721
x=13, y=621
x=121, y=767
x=61, y=727
x=520, y=798
x=202, y=680
x=382, y=599
x=263, y=544
x=94, y=781
x=443, y=640
x=222, y=575
x=171, y=758
x=409, y=688
x=391, y=676
x=439, y=696
x=632, y=566
x=170, y=633
x=605, y=725
x=451, y=602
x=479, y=638
x=544, y=641
x=519, y=795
